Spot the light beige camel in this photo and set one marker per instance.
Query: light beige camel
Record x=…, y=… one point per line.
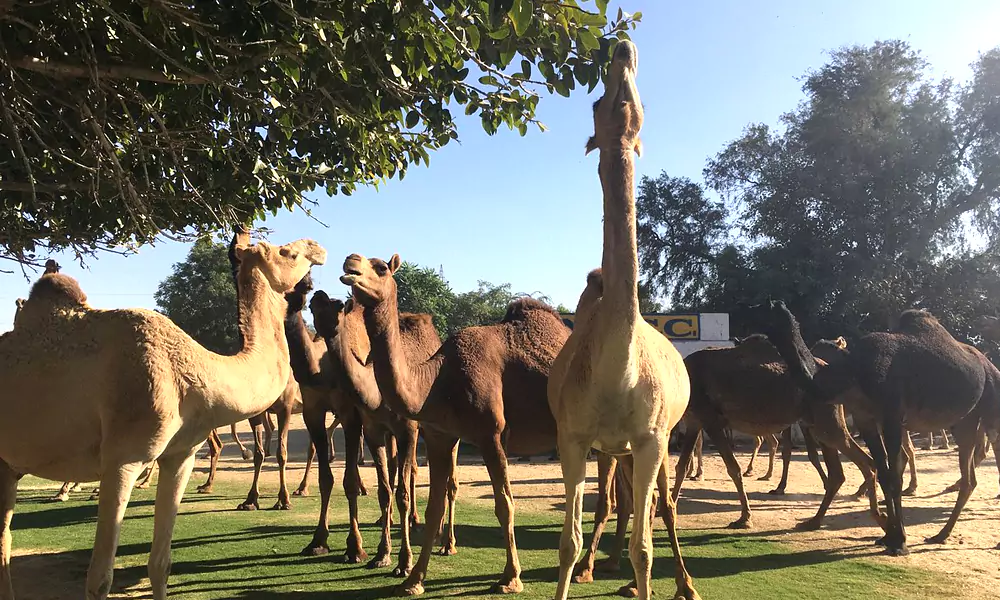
x=150, y=393
x=618, y=385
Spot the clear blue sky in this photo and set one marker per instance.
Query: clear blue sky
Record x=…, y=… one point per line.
x=528, y=210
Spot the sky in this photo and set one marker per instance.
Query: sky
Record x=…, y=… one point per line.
x=527, y=210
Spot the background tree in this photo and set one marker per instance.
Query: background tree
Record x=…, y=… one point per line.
x=125, y=120
x=879, y=192
x=483, y=306
x=199, y=296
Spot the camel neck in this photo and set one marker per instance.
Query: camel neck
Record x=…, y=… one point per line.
x=260, y=370
x=302, y=354
x=404, y=387
x=620, y=263
x=352, y=355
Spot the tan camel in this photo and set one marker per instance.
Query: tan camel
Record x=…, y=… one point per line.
x=152, y=393
x=918, y=375
x=618, y=384
x=485, y=385
x=341, y=329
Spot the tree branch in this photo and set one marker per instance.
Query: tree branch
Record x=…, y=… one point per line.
x=67, y=71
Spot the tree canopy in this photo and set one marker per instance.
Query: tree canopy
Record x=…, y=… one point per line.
x=124, y=120
x=200, y=297
x=879, y=192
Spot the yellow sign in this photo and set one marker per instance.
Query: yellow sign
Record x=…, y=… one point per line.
x=675, y=327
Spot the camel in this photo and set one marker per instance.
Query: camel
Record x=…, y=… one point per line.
x=152, y=393
x=916, y=377
x=944, y=440
x=485, y=385
x=618, y=385
x=749, y=388
x=341, y=330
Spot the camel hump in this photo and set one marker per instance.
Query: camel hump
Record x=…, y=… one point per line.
x=412, y=321
x=56, y=288
x=521, y=308
x=915, y=321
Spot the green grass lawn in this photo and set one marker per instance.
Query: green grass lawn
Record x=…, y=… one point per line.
x=223, y=554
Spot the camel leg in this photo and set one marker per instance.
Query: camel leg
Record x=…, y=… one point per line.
x=697, y=473
x=8, y=497
x=496, y=463
x=623, y=488
x=982, y=447
x=944, y=441
x=929, y=445
x=722, y=442
x=881, y=451
x=147, y=477
x=116, y=484
x=967, y=436
x=440, y=449
x=573, y=458
x=786, y=459
x=692, y=437
x=830, y=430
x=584, y=572
x=244, y=452
x=174, y=474
x=449, y=546
x=758, y=440
x=377, y=448
x=214, y=450
x=314, y=418
x=268, y=422
x=63, y=494
x=685, y=587
x=330, y=431
x=772, y=442
x=910, y=457
x=303, y=489
x=812, y=451
x=355, y=552
x=253, y=496
x=406, y=443
x=284, y=422
x=834, y=479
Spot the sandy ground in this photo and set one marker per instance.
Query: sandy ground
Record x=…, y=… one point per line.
x=970, y=554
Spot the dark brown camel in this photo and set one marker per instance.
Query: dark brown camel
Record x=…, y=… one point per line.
x=916, y=377
x=486, y=385
x=749, y=388
x=342, y=327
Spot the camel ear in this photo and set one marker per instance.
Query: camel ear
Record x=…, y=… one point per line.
x=840, y=342
x=349, y=305
x=243, y=250
x=394, y=263
x=638, y=147
x=591, y=145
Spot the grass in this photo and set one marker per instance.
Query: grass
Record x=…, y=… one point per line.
x=223, y=554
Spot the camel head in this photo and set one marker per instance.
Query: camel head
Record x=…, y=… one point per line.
x=282, y=266
x=370, y=278
x=19, y=303
x=830, y=351
x=327, y=314
x=297, y=297
x=51, y=266
x=618, y=113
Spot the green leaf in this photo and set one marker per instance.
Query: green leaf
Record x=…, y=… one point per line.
x=602, y=6
x=396, y=70
x=520, y=15
x=637, y=15
x=501, y=32
x=473, y=34
x=498, y=10
x=526, y=68
x=588, y=40
x=412, y=118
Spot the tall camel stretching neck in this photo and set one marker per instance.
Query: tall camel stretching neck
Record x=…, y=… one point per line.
x=405, y=387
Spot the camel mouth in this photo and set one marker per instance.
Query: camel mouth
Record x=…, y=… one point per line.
x=350, y=278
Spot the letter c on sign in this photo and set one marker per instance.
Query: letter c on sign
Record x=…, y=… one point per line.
x=679, y=328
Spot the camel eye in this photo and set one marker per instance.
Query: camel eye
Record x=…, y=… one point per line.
x=381, y=269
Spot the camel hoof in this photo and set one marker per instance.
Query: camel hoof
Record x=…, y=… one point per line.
x=585, y=576
x=514, y=586
x=379, y=562
x=142, y=486
x=247, y=455
x=402, y=571
x=315, y=549
x=741, y=523
x=912, y=491
x=414, y=589
x=748, y=473
x=363, y=492
x=808, y=525
x=778, y=491
x=449, y=550
x=247, y=506
x=203, y=490
x=951, y=489
x=629, y=590
x=764, y=478
x=900, y=551
x=282, y=505
x=354, y=557
x=60, y=497
x=880, y=541
x=301, y=492
x=936, y=539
